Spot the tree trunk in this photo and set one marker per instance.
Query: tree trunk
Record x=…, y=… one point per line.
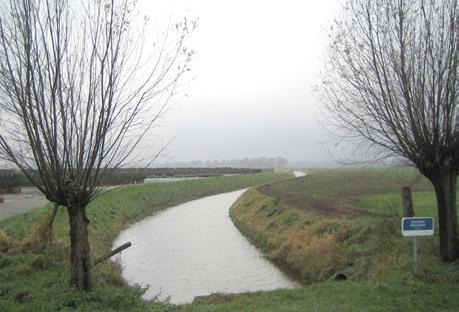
x=445, y=190
x=52, y=218
x=80, y=265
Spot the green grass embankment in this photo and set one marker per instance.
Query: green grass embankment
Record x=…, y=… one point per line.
x=336, y=220
x=343, y=221
x=34, y=276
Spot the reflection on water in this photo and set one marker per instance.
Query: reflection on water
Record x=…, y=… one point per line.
x=193, y=250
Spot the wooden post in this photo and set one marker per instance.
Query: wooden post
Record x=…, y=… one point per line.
x=112, y=253
x=415, y=255
x=408, y=211
x=407, y=202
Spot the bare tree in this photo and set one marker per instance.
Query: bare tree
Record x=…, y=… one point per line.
x=391, y=85
x=79, y=88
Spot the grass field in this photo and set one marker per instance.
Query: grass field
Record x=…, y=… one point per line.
x=327, y=222
x=34, y=275
x=344, y=221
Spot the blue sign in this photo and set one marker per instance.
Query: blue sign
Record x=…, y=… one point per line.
x=418, y=226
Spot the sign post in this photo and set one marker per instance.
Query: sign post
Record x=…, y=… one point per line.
x=414, y=227
x=415, y=255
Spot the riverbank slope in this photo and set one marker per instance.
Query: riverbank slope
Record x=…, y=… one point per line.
x=343, y=221
x=34, y=274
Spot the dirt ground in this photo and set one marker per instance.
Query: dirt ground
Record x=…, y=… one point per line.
x=338, y=205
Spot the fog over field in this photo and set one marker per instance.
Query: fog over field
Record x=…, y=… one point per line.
x=255, y=65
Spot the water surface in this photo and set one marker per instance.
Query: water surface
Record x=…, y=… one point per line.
x=194, y=250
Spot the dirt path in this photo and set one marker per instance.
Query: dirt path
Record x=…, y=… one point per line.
x=29, y=198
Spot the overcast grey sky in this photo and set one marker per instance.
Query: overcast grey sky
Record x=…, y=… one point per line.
x=255, y=66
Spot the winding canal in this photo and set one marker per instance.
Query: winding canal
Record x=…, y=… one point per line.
x=195, y=250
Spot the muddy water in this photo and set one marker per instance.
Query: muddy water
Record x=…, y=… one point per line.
x=194, y=250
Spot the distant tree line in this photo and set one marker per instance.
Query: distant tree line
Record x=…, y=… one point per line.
x=199, y=172
x=120, y=176
x=12, y=178
x=260, y=163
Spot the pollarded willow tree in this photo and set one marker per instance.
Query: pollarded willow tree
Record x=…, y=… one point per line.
x=81, y=83
x=391, y=84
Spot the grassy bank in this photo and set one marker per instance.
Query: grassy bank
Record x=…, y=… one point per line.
x=34, y=275
x=399, y=292
x=344, y=221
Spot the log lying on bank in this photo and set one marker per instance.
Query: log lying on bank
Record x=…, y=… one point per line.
x=112, y=253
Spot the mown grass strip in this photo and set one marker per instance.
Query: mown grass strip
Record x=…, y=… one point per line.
x=398, y=292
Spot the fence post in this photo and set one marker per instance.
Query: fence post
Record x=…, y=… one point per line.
x=407, y=202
